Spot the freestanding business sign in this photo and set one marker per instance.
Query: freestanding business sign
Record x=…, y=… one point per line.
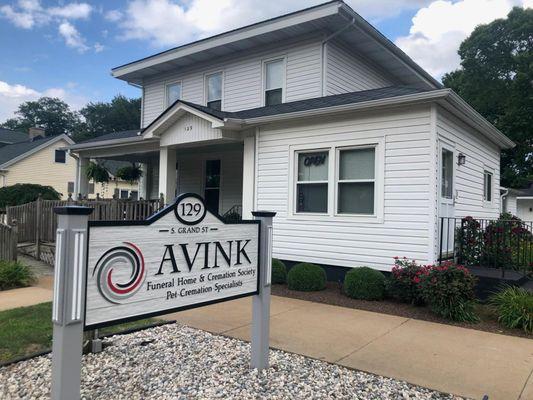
x=107, y=272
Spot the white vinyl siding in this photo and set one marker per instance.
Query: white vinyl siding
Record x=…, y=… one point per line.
x=481, y=155
x=347, y=240
x=346, y=72
x=243, y=78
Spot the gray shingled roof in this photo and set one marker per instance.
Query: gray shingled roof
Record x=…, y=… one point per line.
x=12, y=151
x=10, y=136
x=113, y=136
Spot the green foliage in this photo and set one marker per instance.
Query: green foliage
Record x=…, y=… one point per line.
x=364, y=283
x=120, y=114
x=515, y=308
x=14, y=275
x=495, y=78
x=131, y=173
x=469, y=241
x=23, y=193
x=306, y=277
x=448, y=289
x=279, y=271
x=53, y=114
x=403, y=283
x=97, y=172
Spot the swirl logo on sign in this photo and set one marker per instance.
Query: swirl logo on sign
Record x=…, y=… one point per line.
x=120, y=260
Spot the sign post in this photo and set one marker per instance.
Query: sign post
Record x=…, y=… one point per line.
x=261, y=301
x=68, y=301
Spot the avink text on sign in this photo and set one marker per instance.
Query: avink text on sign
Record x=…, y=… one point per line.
x=182, y=257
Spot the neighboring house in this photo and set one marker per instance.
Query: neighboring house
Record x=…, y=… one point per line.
x=317, y=116
x=519, y=202
x=8, y=136
x=39, y=159
x=115, y=187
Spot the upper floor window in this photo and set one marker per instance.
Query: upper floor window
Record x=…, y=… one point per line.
x=487, y=186
x=60, y=156
x=214, y=91
x=274, y=79
x=173, y=92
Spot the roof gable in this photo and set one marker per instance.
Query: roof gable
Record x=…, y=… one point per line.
x=13, y=153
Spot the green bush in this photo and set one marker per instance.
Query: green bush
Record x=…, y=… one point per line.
x=23, y=193
x=364, y=283
x=279, y=271
x=306, y=277
x=448, y=289
x=514, y=307
x=403, y=283
x=14, y=275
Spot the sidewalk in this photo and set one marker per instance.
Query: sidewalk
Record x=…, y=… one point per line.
x=455, y=360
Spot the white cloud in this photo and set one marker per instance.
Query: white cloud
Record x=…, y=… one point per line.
x=113, y=15
x=19, y=19
x=12, y=95
x=438, y=29
x=98, y=47
x=72, y=11
x=169, y=22
x=72, y=37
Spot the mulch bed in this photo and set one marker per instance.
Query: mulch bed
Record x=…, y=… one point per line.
x=333, y=295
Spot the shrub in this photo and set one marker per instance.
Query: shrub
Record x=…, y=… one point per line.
x=448, y=289
x=97, y=172
x=306, y=277
x=14, y=274
x=469, y=240
x=23, y=193
x=404, y=280
x=131, y=173
x=514, y=307
x=279, y=271
x=364, y=283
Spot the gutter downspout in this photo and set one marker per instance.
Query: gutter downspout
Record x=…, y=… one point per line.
x=142, y=100
x=324, y=52
x=505, y=193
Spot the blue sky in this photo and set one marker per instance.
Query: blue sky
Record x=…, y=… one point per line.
x=67, y=48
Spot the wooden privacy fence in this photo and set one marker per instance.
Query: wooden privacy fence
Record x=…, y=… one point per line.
x=8, y=242
x=37, y=221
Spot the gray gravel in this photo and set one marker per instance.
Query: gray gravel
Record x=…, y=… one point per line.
x=178, y=362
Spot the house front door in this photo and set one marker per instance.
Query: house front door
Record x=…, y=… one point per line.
x=447, y=200
x=212, y=185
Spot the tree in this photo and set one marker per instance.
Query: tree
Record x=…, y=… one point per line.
x=53, y=114
x=118, y=115
x=22, y=193
x=496, y=78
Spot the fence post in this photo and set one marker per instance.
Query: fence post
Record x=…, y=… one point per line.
x=68, y=306
x=261, y=301
x=38, y=212
x=14, y=240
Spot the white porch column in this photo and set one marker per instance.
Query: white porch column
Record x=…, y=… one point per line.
x=167, y=173
x=143, y=182
x=82, y=183
x=248, y=177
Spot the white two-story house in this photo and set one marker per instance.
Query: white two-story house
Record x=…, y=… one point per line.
x=319, y=117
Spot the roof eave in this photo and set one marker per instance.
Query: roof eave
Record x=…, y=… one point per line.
x=90, y=145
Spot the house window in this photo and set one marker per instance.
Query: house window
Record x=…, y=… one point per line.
x=274, y=82
x=91, y=188
x=60, y=156
x=447, y=174
x=124, y=194
x=356, y=180
x=173, y=92
x=212, y=185
x=487, y=186
x=70, y=187
x=312, y=182
x=134, y=194
x=214, y=91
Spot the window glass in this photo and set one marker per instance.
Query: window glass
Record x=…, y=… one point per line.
x=274, y=74
x=91, y=188
x=487, y=186
x=123, y=194
x=357, y=164
x=312, y=182
x=60, y=156
x=212, y=185
x=70, y=187
x=173, y=93
x=447, y=174
x=273, y=97
x=312, y=198
x=356, y=198
x=313, y=166
x=214, y=87
x=134, y=195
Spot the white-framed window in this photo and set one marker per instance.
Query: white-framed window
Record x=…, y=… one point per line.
x=124, y=194
x=70, y=187
x=356, y=180
x=274, y=81
x=213, y=87
x=173, y=91
x=60, y=156
x=446, y=190
x=487, y=186
x=312, y=181
x=341, y=181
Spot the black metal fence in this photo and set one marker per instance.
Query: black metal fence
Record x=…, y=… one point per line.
x=506, y=244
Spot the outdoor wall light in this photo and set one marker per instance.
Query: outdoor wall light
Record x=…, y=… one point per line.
x=461, y=159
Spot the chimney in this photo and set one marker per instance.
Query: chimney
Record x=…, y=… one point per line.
x=36, y=131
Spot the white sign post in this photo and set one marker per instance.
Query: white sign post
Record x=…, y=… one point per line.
x=108, y=272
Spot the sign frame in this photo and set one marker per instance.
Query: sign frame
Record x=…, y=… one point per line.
x=171, y=208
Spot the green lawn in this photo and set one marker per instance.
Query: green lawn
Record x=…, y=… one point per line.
x=27, y=330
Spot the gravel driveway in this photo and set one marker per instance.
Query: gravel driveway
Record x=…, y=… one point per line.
x=178, y=362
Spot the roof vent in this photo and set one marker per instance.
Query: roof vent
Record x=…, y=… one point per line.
x=36, y=132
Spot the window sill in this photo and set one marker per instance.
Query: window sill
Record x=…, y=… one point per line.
x=342, y=218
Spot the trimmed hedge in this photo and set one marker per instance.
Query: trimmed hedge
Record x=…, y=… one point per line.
x=364, y=283
x=306, y=277
x=279, y=271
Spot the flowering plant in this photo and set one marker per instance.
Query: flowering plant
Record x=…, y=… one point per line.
x=404, y=280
